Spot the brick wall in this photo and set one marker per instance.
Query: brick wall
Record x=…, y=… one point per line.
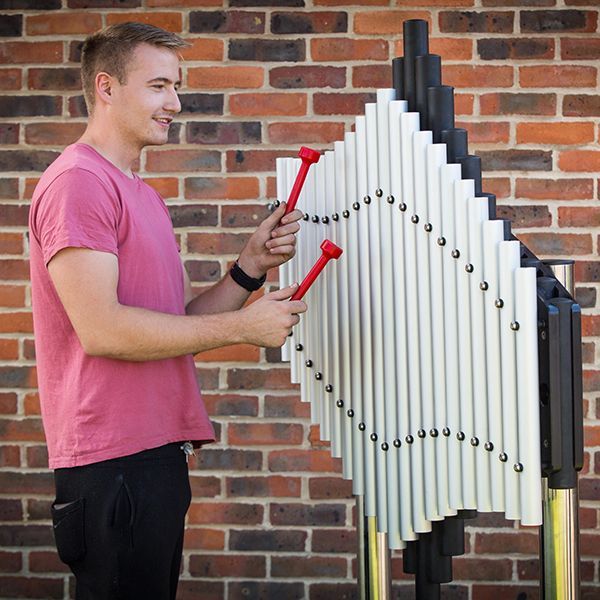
x=271, y=517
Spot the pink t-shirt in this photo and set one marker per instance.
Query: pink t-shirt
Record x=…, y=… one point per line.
x=97, y=408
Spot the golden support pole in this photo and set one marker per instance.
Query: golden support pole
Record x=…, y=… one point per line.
x=559, y=534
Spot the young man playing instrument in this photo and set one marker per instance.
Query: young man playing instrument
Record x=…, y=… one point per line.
x=117, y=324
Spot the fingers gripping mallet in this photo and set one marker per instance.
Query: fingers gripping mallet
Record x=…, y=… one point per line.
x=309, y=157
x=330, y=250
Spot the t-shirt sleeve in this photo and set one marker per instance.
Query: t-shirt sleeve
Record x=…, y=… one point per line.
x=77, y=210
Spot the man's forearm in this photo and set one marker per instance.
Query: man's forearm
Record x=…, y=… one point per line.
x=137, y=334
x=223, y=296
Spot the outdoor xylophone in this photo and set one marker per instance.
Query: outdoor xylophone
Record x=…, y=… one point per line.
x=440, y=357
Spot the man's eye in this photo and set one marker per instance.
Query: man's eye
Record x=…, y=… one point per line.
x=158, y=86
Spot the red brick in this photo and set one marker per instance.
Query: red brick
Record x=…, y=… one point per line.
x=171, y=21
x=37, y=457
x=26, y=430
x=579, y=160
x=11, y=243
x=225, y=77
x=555, y=189
x=481, y=569
x=505, y=543
x=60, y=24
x=553, y=243
x=46, y=562
x=345, y=49
x=209, y=513
x=465, y=76
x=482, y=132
x=241, y=379
x=500, y=186
x=518, y=104
x=581, y=105
x=31, y=587
x=307, y=77
x=326, y=488
x=373, y=76
x=525, y=216
x=586, y=48
x=590, y=325
x=8, y=404
x=557, y=76
x=203, y=539
x=463, y=104
x=10, y=79
x=385, y=22
x=203, y=49
x=286, y=407
x=10, y=456
x=341, y=103
x=334, y=541
x=9, y=349
x=276, y=486
x=548, y=21
x=302, y=566
x=188, y=3
x=350, y=2
x=590, y=544
x=305, y=132
x=476, y=22
x=447, y=48
x=32, y=404
x=555, y=133
x=304, y=22
x=263, y=434
x=53, y=134
x=167, y=187
x=16, y=322
x=253, y=160
x=227, y=565
x=175, y=160
x=10, y=562
x=14, y=269
x=591, y=435
x=268, y=104
x=303, y=460
x=30, y=52
x=587, y=270
x=493, y=592
x=232, y=188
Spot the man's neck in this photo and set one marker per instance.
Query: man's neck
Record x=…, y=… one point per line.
x=108, y=145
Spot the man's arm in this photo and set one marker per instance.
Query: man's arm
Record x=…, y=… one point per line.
x=86, y=283
x=272, y=244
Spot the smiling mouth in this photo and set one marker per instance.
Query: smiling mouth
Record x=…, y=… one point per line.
x=165, y=121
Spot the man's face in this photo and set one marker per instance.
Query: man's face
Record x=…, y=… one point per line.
x=144, y=106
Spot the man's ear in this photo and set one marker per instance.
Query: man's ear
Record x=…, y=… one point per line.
x=104, y=87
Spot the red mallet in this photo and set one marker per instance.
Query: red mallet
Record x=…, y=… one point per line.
x=308, y=157
x=330, y=250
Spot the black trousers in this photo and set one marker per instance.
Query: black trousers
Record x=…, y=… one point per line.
x=118, y=524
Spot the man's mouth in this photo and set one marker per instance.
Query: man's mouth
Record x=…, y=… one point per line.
x=164, y=121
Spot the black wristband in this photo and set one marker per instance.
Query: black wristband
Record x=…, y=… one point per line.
x=251, y=284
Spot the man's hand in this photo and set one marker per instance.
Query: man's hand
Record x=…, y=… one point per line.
x=268, y=321
x=272, y=244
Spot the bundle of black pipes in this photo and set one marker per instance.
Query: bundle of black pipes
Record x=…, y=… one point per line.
x=417, y=78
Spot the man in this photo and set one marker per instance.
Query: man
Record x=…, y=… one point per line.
x=117, y=323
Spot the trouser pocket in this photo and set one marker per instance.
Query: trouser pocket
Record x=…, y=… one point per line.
x=68, y=526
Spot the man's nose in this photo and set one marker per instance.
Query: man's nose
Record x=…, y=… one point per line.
x=173, y=103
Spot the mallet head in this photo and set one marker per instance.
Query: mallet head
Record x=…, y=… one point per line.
x=308, y=155
x=330, y=250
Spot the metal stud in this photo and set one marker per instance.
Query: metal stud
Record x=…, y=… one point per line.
x=315, y=219
x=409, y=439
x=441, y=241
x=385, y=446
x=402, y=206
x=346, y=213
x=373, y=437
x=515, y=326
x=367, y=199
x=350, y=413
x=397, y=443
x=474, y=441
x=325, y=220
x=355, y=206
x=483, y=286
x=518, y=467
x=428, y=227
x=318, y=376
x=446, y=432
x=390, y=199
x=299, y=347
x=499, y=303
x=379, y=192
x=335, y=217
x=455, y=253
x=460, y=436
x=362, y=426
x=414, y=219
x=503, y=457
x=421, y=433
x=433, y=432
x=469, y=268
x=305, y=217
x=329, y=388
x=340, y=403
x=309, y=363
x=276, y=203
x=489, y=446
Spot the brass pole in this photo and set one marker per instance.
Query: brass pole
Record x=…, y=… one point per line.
x=559, y=534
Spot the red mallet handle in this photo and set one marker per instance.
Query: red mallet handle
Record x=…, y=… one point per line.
x=308, y=157
x=330, y=250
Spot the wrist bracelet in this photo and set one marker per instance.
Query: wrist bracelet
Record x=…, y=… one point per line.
x=250, y=284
